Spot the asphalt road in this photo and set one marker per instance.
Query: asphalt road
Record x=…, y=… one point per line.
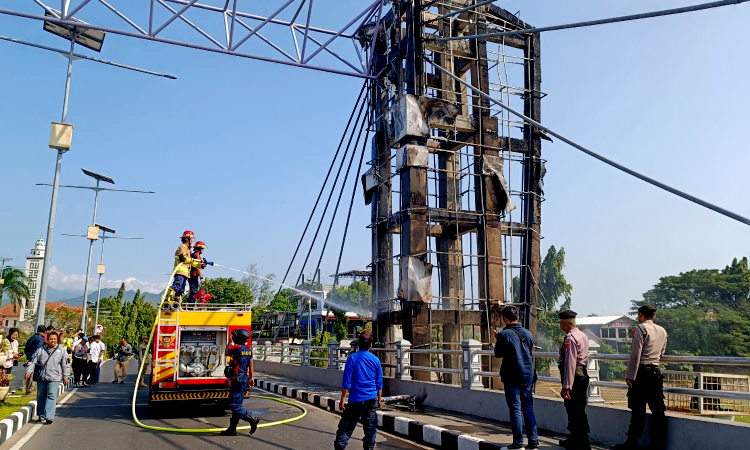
x=99, y=418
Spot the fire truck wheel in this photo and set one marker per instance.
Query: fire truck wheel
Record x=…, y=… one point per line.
x=222, y=404
x=155, y=409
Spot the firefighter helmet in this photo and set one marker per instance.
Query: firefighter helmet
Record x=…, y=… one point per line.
x=188, y=234
x=200, y=244
x=240, y=336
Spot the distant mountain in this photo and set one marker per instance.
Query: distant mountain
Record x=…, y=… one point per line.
x=129, y=295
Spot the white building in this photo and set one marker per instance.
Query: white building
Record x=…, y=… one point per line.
x=34, y=264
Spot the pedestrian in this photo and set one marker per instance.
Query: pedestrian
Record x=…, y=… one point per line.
x=34, y=343
x=77, y=337
x=143, y=356
x=572, y=363
x=47, y=331
x=49, y=365
x=363, y=382
x=13, y=355
x=80, y=362
x=183, y=262
x=97, y=349
x=123, y=353
x=514, y=345
x=645, y=381
x=240, y=371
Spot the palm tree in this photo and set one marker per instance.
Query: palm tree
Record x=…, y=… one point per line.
x=14, y=284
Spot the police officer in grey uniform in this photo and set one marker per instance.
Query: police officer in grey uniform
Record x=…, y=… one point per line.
x=645, y=381
x=574, y=358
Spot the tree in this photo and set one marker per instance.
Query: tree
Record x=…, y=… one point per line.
x=284, y=301
x=705, y=311
x=356, y=297
x=63, y=319
x=228, y=290
x=15, y=285
x=261, y=288
x=610, y=370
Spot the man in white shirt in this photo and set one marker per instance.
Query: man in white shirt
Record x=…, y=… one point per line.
x=77, y=337
x=96, y=356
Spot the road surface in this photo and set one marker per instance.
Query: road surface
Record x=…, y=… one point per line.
x=99, y=418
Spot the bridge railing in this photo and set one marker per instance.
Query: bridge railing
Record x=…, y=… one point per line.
x=471, y=353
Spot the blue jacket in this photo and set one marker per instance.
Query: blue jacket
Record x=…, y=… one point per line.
x=35, y=342
x=518, y=364
x=363, y=376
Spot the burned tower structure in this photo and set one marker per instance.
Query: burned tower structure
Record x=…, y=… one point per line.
x=455, y=183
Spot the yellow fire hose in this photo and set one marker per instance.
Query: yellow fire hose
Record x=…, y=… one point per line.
x=200, y=430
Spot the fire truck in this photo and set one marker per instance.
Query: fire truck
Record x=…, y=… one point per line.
x=188, y=353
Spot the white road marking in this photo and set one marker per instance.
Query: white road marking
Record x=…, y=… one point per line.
x=36, y=428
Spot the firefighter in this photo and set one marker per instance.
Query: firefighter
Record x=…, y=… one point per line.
x=573, y=361
x=185, y=262
x=645, y=381
x=240, y=372
x=196, y=275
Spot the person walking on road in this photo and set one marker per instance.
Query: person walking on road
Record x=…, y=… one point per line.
x=80, y=363
x=514, y=345
x=123, y=353
x=241, y=376
x=363, y=382
x=645, y=381
x=34, y=343
x=52, y=361
x=573, y=361
x=143, y=356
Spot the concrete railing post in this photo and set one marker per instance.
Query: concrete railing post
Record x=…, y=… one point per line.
x=267, y=350
x=333, y=355
x=471, y=364
x=305, y=353
x=402, y=360
x=595, y=394
x=284, y=352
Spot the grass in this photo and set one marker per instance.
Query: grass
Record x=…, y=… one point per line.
x=13, y=404
x=744, y=419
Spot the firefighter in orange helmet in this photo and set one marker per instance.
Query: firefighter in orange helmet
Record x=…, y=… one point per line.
x=184, y=260
x=196, y=274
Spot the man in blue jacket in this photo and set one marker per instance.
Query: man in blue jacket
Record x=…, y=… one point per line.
x=514, y=346
x=35, y=342
x=363, y=382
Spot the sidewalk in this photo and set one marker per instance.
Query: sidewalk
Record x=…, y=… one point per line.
x=464, y=431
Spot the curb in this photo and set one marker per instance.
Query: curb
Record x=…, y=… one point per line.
x=14, y=422
x=409, y=429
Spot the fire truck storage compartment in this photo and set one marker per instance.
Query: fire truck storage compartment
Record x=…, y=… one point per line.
x=202, y=352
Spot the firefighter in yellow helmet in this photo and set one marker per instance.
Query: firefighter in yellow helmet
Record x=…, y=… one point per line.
x=184, y=260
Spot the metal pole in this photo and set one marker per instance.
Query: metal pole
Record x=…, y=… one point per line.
x=99, y=285
x=309, y=316
x=88, y=265
x=41, y=304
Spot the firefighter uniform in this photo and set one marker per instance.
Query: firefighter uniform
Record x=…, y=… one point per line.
x=572, y=362
x=240, y=360
x=649, y=345
x=195, y=279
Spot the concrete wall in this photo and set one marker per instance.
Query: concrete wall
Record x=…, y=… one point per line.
x=608, y=424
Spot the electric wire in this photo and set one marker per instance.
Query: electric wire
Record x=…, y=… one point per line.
x=659, y=184
x=649, y=15
x=330, y=195
x=322, y=188
x=198, y=430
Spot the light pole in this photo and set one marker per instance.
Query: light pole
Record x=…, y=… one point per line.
x=101, y=268
x=61, y=135
x=93, y=232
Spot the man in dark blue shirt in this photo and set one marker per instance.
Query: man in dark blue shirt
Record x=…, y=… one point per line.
x=240, y=372
x=514, y=346
x=363, y=382
x=32, y=344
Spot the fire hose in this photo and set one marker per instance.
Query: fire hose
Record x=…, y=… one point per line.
x=199, y=430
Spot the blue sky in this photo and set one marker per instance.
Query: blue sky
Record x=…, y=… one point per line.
x=237, y=149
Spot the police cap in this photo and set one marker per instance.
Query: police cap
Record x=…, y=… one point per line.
x=568, y=314
x=647, y=310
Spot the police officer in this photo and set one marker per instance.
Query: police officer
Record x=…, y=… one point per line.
x=645, y=381
x=573, y=360
x=241, y=373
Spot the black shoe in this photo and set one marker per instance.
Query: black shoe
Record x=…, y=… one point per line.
x=122, y=381
x=627, y=445
x=514, y=446
x=115, y=382
x=532, y=446
x=48, y=421
x=253, y=423
x=229, y=432
x=565, y=443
